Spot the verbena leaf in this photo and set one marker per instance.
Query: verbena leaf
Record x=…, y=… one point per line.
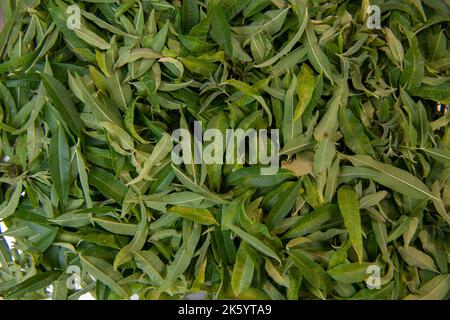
x=59, y=164
x=348, y=205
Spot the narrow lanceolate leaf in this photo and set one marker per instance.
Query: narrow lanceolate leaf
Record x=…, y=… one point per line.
x=200, y=215
x=313, y=272
x=191, y=185
x=290, y=125
x=332, y=181
x=73, y=219
x=351, y=272
x=439, y=93
x=114, y=226
x=422, y=124
x=440, y=155
x=438, y=203
x=161, y=150
x=150, y=263
x=9, y=206
x=37, y=282
x=312, y=221
x=92, y=38
x=348, y=205
x=329, y=123
x=255, y=242
x=413, y=71
x=107, y=184
x=380, y=232
x=303, y=21
x=82, y=174
x=324, y=155
x=104, y=272
x=129, y=123
x=63, y=102
x=102, y=112
x=417, y=258
x=395, y=47
x=59, y=164
x=435, y=289
x=394, y=178
x=316, y=55
x=136, y=244
x=284, y=205
x=354, y=135
x=120, y=92
x=243, y=269
x=221, y=29
x=102, y=24
x=305, y=89
x=182, y=259
x=190, y=14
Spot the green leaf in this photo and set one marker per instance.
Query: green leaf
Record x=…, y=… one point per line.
x=190, y=14
x=92, y=38
x=161, y=150
x=324, y=155
x=439, y=93
x=59, y=164
x=392, y=177
x=136, y=244
x=312, y=221
x=303, y=21
x=108, y=184
x=314, y=274
x=102, y=113
x=37, y=282
x=255, y=242
x=355, y=138
x=82, y=173
x=182, y=259
x=114, y=226
x=351, y=272
x=150, y=263
x=395, y=47
x=104, y=272
x=439, y=154
x=329, y=122
x=284, y=205
x=191, y=185
x=316, y=55
x=305, y=89
x=199, y=215
x=348, y=205
x=242, y=275
x=9, y=206
x=413, y=72
x=73, y=219
x=61, y=98
x=435, y=289
x=220, y=29
x=417, y=258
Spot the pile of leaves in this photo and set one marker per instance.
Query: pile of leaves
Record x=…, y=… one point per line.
x=91, y=201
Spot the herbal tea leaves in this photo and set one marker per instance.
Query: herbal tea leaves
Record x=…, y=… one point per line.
x=112, y=112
